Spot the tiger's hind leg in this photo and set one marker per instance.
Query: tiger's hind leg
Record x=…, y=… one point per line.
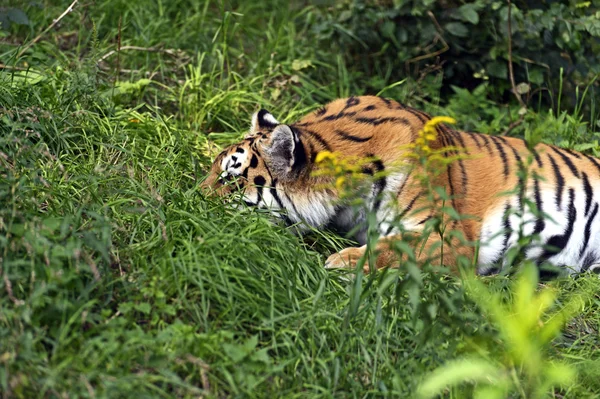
x=432, y=250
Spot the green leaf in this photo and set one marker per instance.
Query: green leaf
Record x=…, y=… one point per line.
x=30, y=77
x=497, y=69
x=388, y=29
x=132, y=87
x=143, y=307
x=489, y=392
x=18, y=17
x=125, y=307
x=298, y=65
x=235, y=352
x=523, y=88
x=251, y=343
x=457, y=29
x=536, y=76
x=262, y=356
x=457, y=372
x=468, y=13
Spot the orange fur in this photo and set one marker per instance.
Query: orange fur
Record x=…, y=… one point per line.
x=374, y=127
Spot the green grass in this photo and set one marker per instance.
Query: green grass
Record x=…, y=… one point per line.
x=118, y=278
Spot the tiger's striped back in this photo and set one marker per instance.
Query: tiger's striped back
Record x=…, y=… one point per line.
x=275, y=165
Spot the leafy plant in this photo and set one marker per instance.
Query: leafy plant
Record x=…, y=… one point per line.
x=467, y=43
x=525, y=329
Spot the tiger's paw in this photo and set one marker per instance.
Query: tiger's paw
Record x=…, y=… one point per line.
x=347, y=259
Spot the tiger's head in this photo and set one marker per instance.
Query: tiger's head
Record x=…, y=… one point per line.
x=271, y=169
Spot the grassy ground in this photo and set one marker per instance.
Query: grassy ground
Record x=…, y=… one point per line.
x=119, y=279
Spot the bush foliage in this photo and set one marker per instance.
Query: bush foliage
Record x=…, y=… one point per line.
x=468, y=42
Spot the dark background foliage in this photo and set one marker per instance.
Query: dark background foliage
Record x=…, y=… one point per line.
x=467, y=43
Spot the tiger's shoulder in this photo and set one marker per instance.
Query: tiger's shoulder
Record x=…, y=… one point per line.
x=362, y=126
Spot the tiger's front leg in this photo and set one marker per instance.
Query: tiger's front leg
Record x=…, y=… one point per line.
x=433, y=250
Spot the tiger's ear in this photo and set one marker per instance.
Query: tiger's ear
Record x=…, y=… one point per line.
x=262, y=120
x=285, y=152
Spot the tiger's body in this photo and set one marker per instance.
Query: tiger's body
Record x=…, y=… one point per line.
x=275, y=162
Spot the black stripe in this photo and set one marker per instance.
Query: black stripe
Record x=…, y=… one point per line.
x=369, y=108
x=448, y=141
x=304, y=124
x=389, y=230
x=367, y=170
x=275, y=195
x=286, y=219
x=312, y=152
x=416, y=113
x=521, y=197
x=458, y=136
x=291, y=203
x=514, y=150
x=321, y=111
x=419, y=114
x=259, y=182
x=451, y=186
x=506, y=234
x=299, y=156
x=573, y=153
x=521, y=182
x=410, y=205
x=475, y=138
x=351, y=137
x=315, y=136
x=507, y=227
x=557, y=243
x=463, y=171
x=567, y=161
x=240, y=150
x=539, y=222
x=588, y=230
x=589, y=260
x=351, y=102
x=254, y=161
x=339, y=115
x=379, y=121
x=537, y=157
x=502, y=155
x=387, y=102
x=379, y=184
x=592, y=160
x=442, y=139
x=588, y=193
x=560, y=182
x=450, y=135
x=425, y=220
x=486, y=140
x=406, y=177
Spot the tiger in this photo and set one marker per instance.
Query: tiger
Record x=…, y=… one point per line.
x=274, y=166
